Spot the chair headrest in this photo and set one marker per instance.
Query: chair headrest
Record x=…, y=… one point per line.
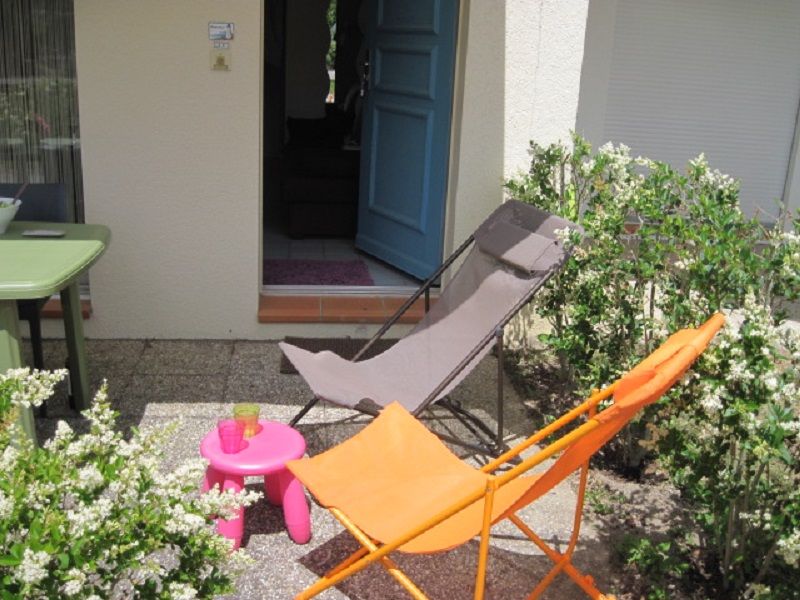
x=519, y=248
x=523, y=237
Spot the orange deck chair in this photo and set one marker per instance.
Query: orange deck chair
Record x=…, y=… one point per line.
x=396, y=486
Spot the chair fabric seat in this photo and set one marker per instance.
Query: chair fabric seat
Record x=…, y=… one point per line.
x=414, y=475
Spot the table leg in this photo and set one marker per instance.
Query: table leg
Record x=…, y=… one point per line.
x=76, y=344
x=11, y=358
x=272, y=486
x=234, y=528
x=295, y=507
x=211, y=478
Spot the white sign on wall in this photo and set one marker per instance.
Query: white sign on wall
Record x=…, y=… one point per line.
x=220, y=31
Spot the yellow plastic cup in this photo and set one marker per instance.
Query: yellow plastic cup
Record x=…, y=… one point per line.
x=248, y=415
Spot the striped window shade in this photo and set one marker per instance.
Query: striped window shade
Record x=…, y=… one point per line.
x=715, y=76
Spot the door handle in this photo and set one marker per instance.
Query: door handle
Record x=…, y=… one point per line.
x=364, y=79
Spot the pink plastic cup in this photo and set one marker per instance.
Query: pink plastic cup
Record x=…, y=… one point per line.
x=231, y=434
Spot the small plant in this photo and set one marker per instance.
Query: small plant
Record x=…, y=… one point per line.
x=602, y=500
x=92, y=516
x=661, y=563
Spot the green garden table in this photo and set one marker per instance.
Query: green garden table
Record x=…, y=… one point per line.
x=33, y=267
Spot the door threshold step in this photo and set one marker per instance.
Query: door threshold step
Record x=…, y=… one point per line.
x=335, y=309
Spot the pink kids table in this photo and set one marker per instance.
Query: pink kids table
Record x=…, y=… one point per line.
x=266, y=453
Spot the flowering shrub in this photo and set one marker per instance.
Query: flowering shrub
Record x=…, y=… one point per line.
x=731, y=440
x=664, y=250
x=92, y=516
x=20, y=388
x=692, y=253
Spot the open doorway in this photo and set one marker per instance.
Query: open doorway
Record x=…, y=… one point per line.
x=357, y=102
x=313, y=106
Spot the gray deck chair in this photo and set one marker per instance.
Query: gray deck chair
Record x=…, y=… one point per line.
x=513, y=253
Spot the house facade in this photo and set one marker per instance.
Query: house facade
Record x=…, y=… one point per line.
x=173, y=149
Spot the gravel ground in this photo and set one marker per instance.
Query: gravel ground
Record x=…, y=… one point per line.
x=152, y=383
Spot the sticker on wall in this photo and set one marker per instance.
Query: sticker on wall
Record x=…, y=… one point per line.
x=220, y=31
x=220, y=59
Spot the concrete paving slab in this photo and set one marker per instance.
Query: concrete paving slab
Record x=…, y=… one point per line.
x=170, y=395
x=185, y=357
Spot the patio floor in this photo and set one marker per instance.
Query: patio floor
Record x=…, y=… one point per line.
x=152, y=383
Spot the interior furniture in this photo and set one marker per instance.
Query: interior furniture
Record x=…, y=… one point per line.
x=396, y=487
x=511, y=256
x=34, y=268
x=265, y=454
x=320, y=184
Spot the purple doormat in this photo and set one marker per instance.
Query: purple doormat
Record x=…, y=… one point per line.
x=295, y=271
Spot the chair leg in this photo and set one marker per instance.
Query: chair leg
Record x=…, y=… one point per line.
x=309, y=405
x=358, y=561
x=483, y=551
x=562, y=562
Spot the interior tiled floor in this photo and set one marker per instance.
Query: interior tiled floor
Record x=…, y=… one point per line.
x=156, y=382
x=278, y=245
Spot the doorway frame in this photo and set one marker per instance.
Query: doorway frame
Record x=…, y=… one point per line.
x=456, y=114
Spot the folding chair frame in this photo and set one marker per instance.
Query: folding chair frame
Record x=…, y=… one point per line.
x=371, y=552
x=489, y=442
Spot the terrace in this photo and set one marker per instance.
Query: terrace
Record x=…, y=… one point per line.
x=669, y=515
x=155, y=382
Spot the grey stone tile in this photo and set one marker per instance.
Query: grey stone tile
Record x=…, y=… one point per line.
x=270, y=388
x=170, y=395
x=185, y=357
x=114, y=354
x=255, y=358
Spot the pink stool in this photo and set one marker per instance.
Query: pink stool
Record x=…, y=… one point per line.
x=266, y=453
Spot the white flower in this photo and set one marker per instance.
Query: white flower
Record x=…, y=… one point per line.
x=182, y=591
x=89, y=518
x=90, y=478
x=32, y=569
x=75, y=581
x=6, y=506
x=62, y=434
x=711, y=400
x=8, y=459
x=181, y=522
x=33, y=387
x=789, y=548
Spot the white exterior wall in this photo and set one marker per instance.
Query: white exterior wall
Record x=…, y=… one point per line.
x=172, y=161
x=523, y=67
x=544, y=55
x=476, y=161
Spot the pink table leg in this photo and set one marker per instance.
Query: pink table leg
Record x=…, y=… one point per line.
x=233, y=529
x=211, y=478
x=295, y=507
x=272, y=486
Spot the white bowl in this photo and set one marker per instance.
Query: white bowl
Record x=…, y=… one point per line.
x=7, y=212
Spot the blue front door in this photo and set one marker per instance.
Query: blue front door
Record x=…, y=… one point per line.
x=406, y=132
